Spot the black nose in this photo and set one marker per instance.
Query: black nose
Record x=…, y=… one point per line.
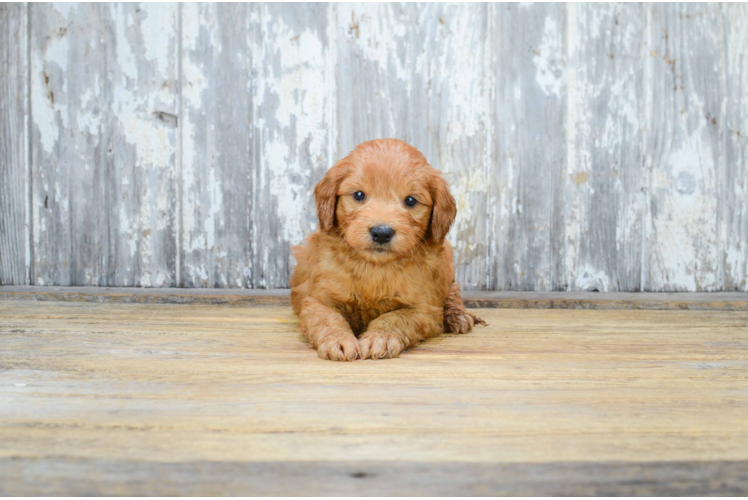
x=382, y=234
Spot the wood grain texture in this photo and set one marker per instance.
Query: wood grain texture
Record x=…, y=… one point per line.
x=15, y=255
x=256, y=139
x=529, y=146
x=104, y=113
x=245, y=297
x=421, y=73
x=684, y=150
x=220, y=389
x=365, y=478
x=692, y=301
x=734, y=131
x=589, y=147
x=604, y=178
x=217, y=162
x=294, y=126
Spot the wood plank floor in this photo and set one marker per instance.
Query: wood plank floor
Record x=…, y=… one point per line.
x=162, y=399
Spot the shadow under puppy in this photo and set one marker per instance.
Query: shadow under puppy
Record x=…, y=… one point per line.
x=378, y=275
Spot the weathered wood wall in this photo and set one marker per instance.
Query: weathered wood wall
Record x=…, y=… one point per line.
x=590, y=147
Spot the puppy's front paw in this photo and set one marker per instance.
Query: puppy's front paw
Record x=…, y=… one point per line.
x=378, y=345
x=339, y=348
x=460, y=321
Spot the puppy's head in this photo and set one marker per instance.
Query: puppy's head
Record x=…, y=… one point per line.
x=384, y=199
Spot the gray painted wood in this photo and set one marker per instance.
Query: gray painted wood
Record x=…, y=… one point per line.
x=15, y=255
x=217, y=162
x=421, y=73
x=683, y=115
x=589, y=146
x=256, y=139
x=104, y=114
x=293, y=127
x=603, y=198
x=734, y=132
x=529, y=146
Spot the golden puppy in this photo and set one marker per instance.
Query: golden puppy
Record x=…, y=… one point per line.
x=378, y=275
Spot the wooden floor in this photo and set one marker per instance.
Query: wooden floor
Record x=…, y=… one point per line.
x=201, y=399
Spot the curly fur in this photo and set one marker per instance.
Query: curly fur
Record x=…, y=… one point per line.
x=356, y=299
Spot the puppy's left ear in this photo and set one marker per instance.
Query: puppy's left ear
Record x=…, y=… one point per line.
x=326, y=195
x=444, y=210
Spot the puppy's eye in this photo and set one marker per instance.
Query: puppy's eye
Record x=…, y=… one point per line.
x=359, y=196
x=410, y=201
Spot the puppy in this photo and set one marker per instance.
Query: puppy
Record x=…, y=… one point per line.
x=377, y=277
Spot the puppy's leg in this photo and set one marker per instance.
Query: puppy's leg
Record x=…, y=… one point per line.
x=392, y=332
x=327, y=331
x=456, y=317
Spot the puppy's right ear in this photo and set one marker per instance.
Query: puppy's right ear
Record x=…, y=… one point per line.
x=326, y=195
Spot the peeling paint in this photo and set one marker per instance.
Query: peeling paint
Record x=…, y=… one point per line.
x=579, y=178
x=44, y=109
x=106, y=194
x=589, y=279
x=585, y=147
x=550, y=69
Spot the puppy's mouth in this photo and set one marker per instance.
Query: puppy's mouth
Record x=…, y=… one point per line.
x=379, y=253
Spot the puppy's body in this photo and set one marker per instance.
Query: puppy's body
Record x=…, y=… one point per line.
x=363, y=291
x=359, y=296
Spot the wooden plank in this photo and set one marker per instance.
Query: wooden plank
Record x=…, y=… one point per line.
x=218, y=146
x=28, y=477
x=683, y=151
x=257, y=137
x=693, y=301
x=430, y=87
x=144, y=62
x=14, y=146
x=293, y=95
x=603, y=199
x=529, y=150
x=86, y=386
x=104, y=115
x=734, y=193
x=254, y=297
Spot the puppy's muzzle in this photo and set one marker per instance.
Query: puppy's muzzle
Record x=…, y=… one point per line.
x=382, y=234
